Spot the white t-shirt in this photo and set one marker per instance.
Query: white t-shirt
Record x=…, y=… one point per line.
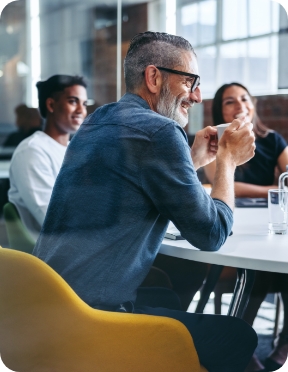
x=34, y=167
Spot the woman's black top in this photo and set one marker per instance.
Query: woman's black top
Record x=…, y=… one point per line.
x=260, y=169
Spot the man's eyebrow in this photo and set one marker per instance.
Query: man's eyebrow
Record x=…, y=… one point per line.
x=75, y=97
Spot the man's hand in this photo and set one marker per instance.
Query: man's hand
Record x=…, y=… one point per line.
x=237, y=144
x=205, y=147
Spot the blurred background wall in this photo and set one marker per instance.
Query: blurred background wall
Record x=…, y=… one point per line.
x=235, y=40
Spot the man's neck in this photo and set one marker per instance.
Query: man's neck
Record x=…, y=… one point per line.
x=58, y=136
x=148, y=97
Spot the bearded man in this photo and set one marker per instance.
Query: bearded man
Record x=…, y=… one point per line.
x=127, y=172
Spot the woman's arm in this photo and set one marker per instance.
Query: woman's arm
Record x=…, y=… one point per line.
x=255, y=191
x=249, y=190
x=282, y=160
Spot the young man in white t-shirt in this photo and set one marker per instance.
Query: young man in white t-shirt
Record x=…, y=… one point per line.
x=37, y=160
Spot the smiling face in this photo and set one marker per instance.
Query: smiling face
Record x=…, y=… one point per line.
x=175, y=97
x=69, y=108
x=237, y=103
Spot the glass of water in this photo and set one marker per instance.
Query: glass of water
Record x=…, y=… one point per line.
x=278, y=211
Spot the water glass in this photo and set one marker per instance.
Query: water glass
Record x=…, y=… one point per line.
x=278, y=211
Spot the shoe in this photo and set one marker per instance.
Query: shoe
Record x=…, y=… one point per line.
x=255, y=365
x=278, y=356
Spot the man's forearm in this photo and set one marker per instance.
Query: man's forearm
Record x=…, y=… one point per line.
x=223, y=185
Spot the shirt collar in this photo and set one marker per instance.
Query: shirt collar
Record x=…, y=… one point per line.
x=130, y=97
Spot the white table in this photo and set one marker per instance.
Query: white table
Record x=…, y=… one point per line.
x=250, y=247
x=4, y=168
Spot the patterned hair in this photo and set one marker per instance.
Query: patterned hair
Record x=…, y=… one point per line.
x=55, y=84
x=152, y=48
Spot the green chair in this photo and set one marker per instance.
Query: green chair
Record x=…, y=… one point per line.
x=18, y=236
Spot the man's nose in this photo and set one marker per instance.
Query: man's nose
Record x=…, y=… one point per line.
x=81, y=109
x=196, y=96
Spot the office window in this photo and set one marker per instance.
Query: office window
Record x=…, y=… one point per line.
x=73, y=37
x=276, y=13
x=235, y=40
x=198, y=22
x=235, y=21
x=80, y=37
x=13, y=64
x=207, y=68
x=243, y=18
x=207, y=22
x=260, y=20
x=232, y=62
x=189, y=23
x=258, y=52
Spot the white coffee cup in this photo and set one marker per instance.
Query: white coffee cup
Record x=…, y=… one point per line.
x=221, y=128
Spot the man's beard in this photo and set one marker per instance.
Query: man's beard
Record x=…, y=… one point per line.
x=169, y=106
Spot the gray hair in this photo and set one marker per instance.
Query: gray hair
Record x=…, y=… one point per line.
x=152, y=48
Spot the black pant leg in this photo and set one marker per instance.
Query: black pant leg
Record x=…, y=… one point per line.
x=186, y=276
x=157, y=297
x=223, y=343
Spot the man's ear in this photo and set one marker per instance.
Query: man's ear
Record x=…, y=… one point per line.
x=50, y=105
x=153, y=79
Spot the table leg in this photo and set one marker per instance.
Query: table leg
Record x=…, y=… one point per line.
x=242, y=292
x=208, y=287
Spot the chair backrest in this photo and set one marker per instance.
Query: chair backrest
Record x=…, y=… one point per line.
x=18, y=236
x=45, y=326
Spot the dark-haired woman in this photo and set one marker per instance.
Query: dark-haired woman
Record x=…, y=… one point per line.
x=254, y=179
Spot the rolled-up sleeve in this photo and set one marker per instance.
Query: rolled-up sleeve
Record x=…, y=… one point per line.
x=169, y=179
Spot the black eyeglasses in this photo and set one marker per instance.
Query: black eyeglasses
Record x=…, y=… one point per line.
x=192, y=83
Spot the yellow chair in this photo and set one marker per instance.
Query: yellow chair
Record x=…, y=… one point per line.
x=18, y=236
x=45, y=326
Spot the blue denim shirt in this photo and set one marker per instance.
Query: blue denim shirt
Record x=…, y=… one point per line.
x=126, y=173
